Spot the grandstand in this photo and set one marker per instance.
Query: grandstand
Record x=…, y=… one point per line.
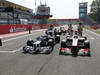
x=11, y=13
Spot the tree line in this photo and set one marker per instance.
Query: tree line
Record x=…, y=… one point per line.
x=95, y=11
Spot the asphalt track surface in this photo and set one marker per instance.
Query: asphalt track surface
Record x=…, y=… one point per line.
x=14, y=62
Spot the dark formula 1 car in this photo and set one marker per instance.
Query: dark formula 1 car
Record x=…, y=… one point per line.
x=42, y=44
x=63, y=30
x=75, y=46
x=57, y=31
x=54, y=35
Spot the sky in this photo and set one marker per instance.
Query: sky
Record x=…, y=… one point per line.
x=60, y=9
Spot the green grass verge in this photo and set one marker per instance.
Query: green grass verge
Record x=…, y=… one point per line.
x=86, y=27
x=98, y=32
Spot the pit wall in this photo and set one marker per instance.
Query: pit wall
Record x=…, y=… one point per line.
x=6, y=28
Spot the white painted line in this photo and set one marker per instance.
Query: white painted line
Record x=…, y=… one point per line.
x=17, y=50
x=21, y=36
x=11, y=51
x=6, y=52
x=14, y=38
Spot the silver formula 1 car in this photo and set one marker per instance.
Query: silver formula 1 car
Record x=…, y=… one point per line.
x=43, y=44
x=75, y=45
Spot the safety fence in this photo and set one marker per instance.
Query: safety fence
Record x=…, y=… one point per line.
x=6, y=28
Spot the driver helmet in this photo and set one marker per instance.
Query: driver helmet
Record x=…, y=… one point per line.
x=75, y=36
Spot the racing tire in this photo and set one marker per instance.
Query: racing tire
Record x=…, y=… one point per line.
x=49, y=52
x=33, y=50
x=36, y=52
x=30, y=52
x=57, y=39
x=87, y=45
x=51, y=43
x=60, y=53
x=63, y=44
x=51, y=49
x=59, y=33
x=89, y=54
x=85, y=38
x=24, y=51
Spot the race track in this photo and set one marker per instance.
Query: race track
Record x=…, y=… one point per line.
x=14, y=62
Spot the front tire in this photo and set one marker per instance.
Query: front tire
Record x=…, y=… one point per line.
x=57, y=39
x=89, y=54
x=60, y=53
x=24, y=50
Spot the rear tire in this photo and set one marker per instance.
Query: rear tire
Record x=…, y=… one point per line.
x=60, y=53
x=63, y=44
x=87, y=45
x=89, y=54
x=57, y=39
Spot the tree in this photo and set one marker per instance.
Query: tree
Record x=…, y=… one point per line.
x=95, y=10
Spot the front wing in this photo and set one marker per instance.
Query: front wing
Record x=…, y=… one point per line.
x=47, y=49
x=81, y=52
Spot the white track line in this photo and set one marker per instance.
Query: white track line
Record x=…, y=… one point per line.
x=21, y=36
x=6, y=52
x=17, y=50
x=14, y=38
x=12, y=51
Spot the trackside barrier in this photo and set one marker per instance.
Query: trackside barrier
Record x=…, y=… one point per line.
x=6, y=28
x=95, y=27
